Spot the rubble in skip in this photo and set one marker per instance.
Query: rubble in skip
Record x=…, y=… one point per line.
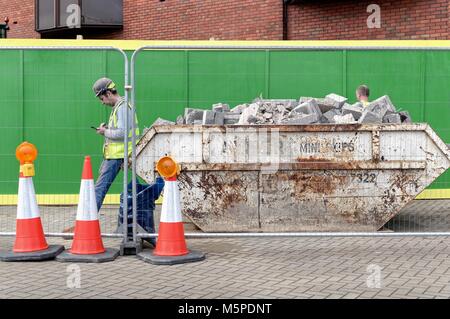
x=331, y=109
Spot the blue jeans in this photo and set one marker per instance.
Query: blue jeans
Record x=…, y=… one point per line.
x=108, y=172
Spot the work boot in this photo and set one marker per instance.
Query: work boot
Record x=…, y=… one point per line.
x=148, y=243
x=68, y=230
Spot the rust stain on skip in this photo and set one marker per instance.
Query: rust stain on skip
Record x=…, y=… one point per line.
x=316, y=184
x=225, y=191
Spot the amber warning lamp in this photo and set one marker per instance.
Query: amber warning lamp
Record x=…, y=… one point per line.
x=167, y=167
x=26, y=153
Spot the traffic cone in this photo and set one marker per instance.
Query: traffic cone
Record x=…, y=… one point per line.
x=171, y=244
x=87, y=237
x=87, y=245
x=29, y=231
x=171, y=241
x=30, y=243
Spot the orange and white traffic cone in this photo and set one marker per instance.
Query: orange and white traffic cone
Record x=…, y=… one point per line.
x=171, y=241
x=171, y=244
x=29, y=231
x=87, y=238
x=30, y=243
x=87, y=245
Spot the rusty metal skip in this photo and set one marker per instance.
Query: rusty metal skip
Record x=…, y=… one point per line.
x=296, y=178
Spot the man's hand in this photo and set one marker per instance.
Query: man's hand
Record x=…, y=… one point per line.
x=102, y=128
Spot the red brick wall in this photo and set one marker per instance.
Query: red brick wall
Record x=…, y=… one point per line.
x=259, y=20
x=203, y=19
x=21, y=11
x=401, y=19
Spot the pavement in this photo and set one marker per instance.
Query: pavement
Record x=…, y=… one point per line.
x=254, y=268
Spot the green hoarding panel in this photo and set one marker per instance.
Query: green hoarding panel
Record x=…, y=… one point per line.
x=231, y=77
x=437, y=100
x=295, y=74
x=60, y=108
x=46, y=96
x=11, y=119
x=161, y=85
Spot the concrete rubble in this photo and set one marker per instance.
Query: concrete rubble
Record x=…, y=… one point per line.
x=332, y=109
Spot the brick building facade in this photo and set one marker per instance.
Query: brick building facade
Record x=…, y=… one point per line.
x=257, y=20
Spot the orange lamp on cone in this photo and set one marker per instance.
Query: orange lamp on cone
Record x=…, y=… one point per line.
x=167, y=167
x=29, y=231
x=26, y=153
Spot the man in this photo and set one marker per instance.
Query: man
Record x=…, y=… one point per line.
x=114, y=133
x=362, y=95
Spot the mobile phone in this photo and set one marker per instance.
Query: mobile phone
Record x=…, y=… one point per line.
x=94, y=128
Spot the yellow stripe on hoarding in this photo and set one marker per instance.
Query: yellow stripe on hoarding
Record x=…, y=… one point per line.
x=434, y=194
x=135, y=44
x=61, y=199
x=114, y=199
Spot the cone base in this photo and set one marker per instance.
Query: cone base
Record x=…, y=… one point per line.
x=191, y=256
x=110, y=254
x=29, y=236
x=87, y=239
x=171, y=241
x=50, y=253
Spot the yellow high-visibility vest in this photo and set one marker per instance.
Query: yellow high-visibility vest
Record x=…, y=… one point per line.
x=365, y=103
x=115, y=150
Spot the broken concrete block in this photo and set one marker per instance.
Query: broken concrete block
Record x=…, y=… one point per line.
x=304, y=99
x=381, y=105
x=239, y=108
x=330, y=115
x=392, y=118
x=336, y=100
x=344, y=119
x=252, y=119
x=160, y=121
x=405, y=117
x=192, y=115
x=323, y=120
x=219, y=118
x=251, y=110
x=354, y=110
x=302, y=119
x=208, y=117
x=287, y=103
x=221, y=107
x=370, y=117
x=324, y=106
x=321, y=103
x=281, y=109
x=180, y=120
x=231, y=118
x=309, y=107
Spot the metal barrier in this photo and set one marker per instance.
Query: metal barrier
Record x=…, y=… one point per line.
x=47, y=223
x=131, y=85
x=392, y=223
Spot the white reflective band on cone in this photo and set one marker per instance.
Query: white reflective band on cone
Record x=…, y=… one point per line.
x=87, y=204
x=171, y=210
x=27, y=206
